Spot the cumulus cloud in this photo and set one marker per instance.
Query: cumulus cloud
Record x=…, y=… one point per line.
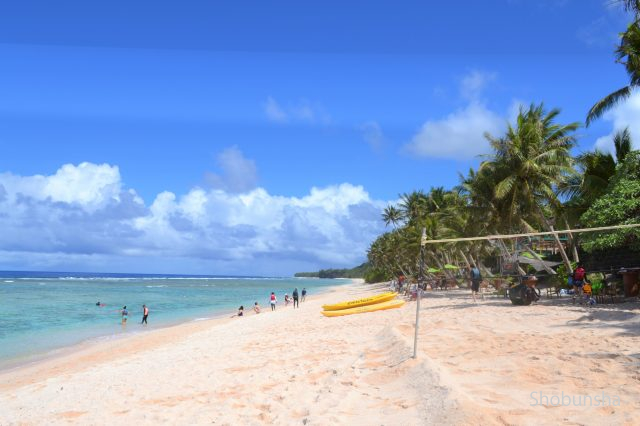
x=204, y=230
x=87, y=184
x=239, y=174
x=372, y=134
x=302, y=111
x=458, y=135
x=622, y=116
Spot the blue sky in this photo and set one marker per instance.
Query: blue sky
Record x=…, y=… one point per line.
x=280, y=129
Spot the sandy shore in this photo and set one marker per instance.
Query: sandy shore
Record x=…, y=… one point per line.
x=488, y=363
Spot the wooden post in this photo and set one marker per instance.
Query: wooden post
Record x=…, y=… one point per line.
x=419, y=291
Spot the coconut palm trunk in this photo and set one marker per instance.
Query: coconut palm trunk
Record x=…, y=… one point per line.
x=563, y=253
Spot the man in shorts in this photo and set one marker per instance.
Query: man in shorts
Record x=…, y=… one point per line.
x=296, y=303
x=476, y=277
x=145, y=314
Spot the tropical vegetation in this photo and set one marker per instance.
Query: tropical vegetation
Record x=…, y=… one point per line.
x=530, y=181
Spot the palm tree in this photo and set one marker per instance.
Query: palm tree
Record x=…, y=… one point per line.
x=391, y=215
x=529, y=163
x=628, y=54
x=631, y=5
x=596, y=169
x=622, y=143
x=413, y=206
x=436, y=199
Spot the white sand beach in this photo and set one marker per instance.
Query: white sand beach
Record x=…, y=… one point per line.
x=477, y=364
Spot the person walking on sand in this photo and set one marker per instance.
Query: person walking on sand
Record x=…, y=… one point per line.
x=273, y=301
x=296, y=304
x=578, y=282
x=145, y=314
x=476, y=277
x=256, y=308
x=304, y=293
x=124, y=314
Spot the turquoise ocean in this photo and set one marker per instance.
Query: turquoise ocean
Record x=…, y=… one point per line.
x=42, y=312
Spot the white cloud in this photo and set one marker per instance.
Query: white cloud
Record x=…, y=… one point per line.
x=458, y=135
x=622, y=116
x=239, y=174
x=473, y=84
x=274, y=112
x=89, y=185
x=372, y=134
x=108, y=227
x=302, y=111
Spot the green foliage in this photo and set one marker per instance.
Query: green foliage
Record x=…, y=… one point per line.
x=306, y=275
x=562, y=277
x=619, y=205
x=357, y=272
x=596, y=288
x=376, y=276
x=597, y=282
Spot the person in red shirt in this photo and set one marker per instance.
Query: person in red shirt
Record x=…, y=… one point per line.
x=273, y=301
x=578, y=281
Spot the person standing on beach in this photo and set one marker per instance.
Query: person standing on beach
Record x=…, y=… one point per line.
x=145, y=314
x=273, y=301
x=304, y=293
x=124, y=314
x=296, y=304
x=476, y=277
x=256, y=308
x=578, y=281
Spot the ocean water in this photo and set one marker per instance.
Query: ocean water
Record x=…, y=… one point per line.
x=41, y=312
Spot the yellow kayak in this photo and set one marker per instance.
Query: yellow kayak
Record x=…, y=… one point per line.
x=360, y=302
x=391, y=304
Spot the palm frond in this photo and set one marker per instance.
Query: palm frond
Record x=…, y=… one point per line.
x=607, y=103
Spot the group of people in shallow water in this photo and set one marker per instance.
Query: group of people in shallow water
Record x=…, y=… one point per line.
x=295, y=298
x=124, y=313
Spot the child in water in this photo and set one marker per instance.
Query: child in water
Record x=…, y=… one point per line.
x=124, y=314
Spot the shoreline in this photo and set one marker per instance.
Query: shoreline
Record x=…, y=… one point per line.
x=32, y=360
x=478, y=363
x=248, y=370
